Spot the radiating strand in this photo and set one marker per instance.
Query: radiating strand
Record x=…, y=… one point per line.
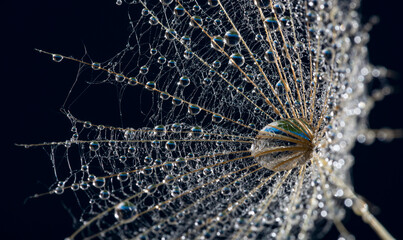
x=87, y=223
x=215, y=72
x=153, y=89
x=212, y=193
x=263, y=206
x=148, y=167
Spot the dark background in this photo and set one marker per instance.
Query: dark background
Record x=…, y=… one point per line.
x=34, y=88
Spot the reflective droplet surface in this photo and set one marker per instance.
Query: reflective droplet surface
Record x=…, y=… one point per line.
x=283, y=145
x=57, y=57
x=124, y=210
x=232, y=38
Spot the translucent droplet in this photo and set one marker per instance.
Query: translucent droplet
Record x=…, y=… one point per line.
x=216, y=64
x=59, y=190
x=171, y=63
x=188, y=54
x=184, y=81
x=119, y=78
x=99, y=182
x=87, y=124
x=179, y=10
x=75, y=187
x=280, y=89
x=207, y=81
x=164, y=96
x=196, y=132
x=123, y=177
x=153, y=20
x=217, y=42
x=145, y=12
x=132, y=81
x=104, y=194
x=226, y=191
x=232, y=38
x=196, y=8
x=270, y=56
x=176, y=127
x=186, y=40
x=194, y=109
x=216, y=118
x=57, y=57
x=96, y=66
x=170, y=145
x=159, y=130
x=144, y=70
x=279, y=8
x=196, y=21
x=153, y=51
x=122, y=158
x=170, y=34
x=271, y=23
x=124, y=211
x=161, y=60
x=238, y=59
x=213, y=3
x=94, y=146
x=150, y=85
x=84, y=186
x=180, y=162
x=328, y=54
x=176, y=101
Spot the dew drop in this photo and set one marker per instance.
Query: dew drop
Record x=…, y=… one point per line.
x=57, y=57
x=232, y=38
x=124, y=211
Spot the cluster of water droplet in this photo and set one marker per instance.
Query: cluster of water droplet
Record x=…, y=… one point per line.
x=222, y=70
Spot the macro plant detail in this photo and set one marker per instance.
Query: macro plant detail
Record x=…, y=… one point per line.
x=255, y=106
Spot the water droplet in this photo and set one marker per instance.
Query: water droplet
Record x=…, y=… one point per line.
x=150, y=85
x=184, y=81
x=161, y=60
x=196, y=132
x=94, y=146
x=213, y=3
x=119, y=78
x=104, y=194
x=238, y=59
x=144, y=70
x=188, y=54
x=99, y=182
x=196, y=21
x=170, y=145
x=57, y=57
x=170, y=34
x=216, y=118
x=193, y=109
x=123, y=177
x=59, y=190
x=124, y=211
x=271, y=23
x=232, y=38
x=176, y=101
x=269, y=56
x=96, y=66
x=176, y=127
x=186, y=40
x=153, y=51
x=75, y=186
x=217, y=42
x=153, y=20
x=179, y=10
x=159, y=130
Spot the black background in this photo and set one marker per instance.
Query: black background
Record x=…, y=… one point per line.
x=33, y=89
